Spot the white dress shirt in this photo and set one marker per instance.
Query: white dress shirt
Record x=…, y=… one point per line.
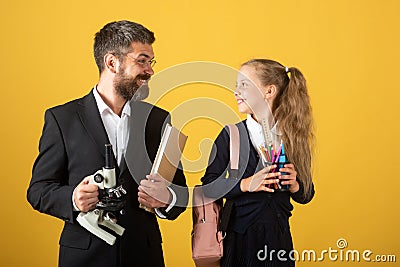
x=255, y=132
x=117, y=127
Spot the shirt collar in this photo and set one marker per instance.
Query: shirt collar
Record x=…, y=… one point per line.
x=102, y=106
x=254, y=126
x=127, y=109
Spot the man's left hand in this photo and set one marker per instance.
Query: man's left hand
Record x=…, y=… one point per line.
x=153, y=192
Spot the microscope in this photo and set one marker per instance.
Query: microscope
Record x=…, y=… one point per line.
x=111, y=199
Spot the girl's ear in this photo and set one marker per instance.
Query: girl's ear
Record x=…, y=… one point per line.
x=270, y=92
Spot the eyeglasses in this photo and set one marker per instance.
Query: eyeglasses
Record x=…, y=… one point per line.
x=143, y=62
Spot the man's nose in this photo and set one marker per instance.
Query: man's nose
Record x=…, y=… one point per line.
x=149, y=70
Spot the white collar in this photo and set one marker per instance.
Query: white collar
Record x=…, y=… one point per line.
x=102, y=106
x=252, y=124
x=256, y=132
x=255, y=126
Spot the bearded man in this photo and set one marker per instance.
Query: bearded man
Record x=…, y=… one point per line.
x=72, y=147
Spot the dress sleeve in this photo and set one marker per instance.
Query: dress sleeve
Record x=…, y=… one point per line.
x=300, y=197
x=215, y=181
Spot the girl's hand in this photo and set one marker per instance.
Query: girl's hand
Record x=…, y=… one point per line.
x=289, y=178
x=260, y=180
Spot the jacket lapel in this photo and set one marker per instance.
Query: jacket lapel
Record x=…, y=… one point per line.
x=91, y=120
x=136, y=156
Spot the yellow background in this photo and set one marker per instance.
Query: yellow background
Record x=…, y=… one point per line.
x=348, y=51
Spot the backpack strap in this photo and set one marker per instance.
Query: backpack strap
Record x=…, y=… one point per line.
x=234, y=145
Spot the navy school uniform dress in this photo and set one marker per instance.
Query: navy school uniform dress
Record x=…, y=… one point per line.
x=258, y=232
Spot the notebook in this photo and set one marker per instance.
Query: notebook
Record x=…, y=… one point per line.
x=168, y=155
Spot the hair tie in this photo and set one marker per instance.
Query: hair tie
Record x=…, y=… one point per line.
x=286, y=69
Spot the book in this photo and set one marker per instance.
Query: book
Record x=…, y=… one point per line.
x=168, y=155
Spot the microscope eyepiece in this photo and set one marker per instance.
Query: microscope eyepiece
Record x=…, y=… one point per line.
x=109, y=164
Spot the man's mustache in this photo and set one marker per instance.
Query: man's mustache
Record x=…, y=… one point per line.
x=143, y=77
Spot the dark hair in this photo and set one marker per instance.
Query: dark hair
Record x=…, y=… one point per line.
x=116, y=37
x=291, y=108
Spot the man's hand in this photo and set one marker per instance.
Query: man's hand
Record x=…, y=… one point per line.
x=86, y=195
x=153, y=192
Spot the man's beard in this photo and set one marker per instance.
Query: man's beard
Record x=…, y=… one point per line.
x=128, y=87
x=141, y=93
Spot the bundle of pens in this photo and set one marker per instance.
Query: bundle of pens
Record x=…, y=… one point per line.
x=272, y=156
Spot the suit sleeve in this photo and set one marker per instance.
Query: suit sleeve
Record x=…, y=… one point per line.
x=48, y=191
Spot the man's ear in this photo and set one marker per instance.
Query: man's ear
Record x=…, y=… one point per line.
x=270, y=92
x=111, y=62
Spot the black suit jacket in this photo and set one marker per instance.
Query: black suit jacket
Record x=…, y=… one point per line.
x=71, y=148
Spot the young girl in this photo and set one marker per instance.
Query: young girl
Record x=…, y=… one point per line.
x=258, y=233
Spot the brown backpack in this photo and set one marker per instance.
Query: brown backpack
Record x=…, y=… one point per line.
x=209, y=222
